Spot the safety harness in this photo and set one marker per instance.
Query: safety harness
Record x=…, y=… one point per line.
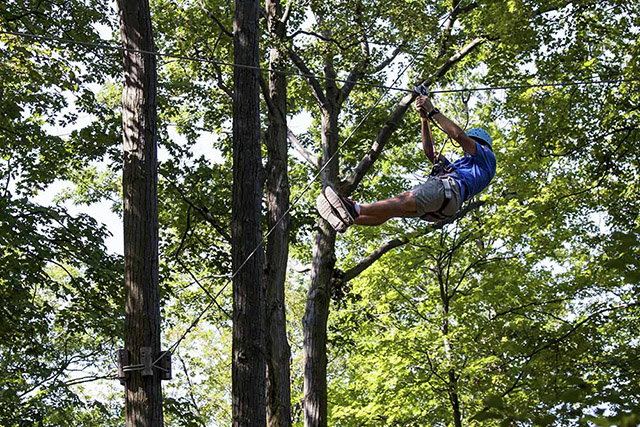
x=446, y=175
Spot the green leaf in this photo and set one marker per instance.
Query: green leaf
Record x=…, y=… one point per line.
x=494, y=401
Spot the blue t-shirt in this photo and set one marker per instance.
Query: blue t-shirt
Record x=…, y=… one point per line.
x=475, y=172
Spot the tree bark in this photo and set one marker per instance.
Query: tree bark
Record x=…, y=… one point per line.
x=249, y=366
x=318, y=297
x=452, y=384
x=278, y=350
x=451, y=372
x=143, y=395
x=454, y=399
x=315, y=327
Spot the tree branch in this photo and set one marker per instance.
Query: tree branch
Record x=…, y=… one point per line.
x=90, y=378
x=389, y=245
x=8, y=181
x=201, y=286
x=203, y=211
x=454, y=59
x=431, y=366
x=350, y=184
x=364, y=44
x=54, y=376
x=221, y=84
x=308, y=156
x=353, y=272
x=218, y=70
x=473, y=266
x=351, y=81
x=192, y=397
x=179, y=261
x=358, y=69
x=78, y=286
x=316, y=87
x=215, y=19
x=34, y=11
x=381, y=66
x=413, y=305
x=321, y=37
x=287, y=12
x=534, y=303
x=453, y=17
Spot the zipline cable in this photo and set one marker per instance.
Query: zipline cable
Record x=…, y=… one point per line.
x=334, y=79
x=296, y=200
x=193, y=58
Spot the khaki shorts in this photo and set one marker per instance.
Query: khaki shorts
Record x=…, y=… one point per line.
x=430, y=196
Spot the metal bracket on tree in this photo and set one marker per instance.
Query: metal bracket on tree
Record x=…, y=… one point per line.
x=146, y=367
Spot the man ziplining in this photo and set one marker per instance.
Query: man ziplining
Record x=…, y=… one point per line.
x=444, y=191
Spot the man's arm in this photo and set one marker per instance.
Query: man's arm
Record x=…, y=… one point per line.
x=427, y=140
x=424, y=105
x=427, y=136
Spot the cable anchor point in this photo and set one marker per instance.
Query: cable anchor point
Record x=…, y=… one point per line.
x=146, y=365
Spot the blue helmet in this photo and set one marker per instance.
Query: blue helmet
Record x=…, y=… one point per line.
x=481, y=134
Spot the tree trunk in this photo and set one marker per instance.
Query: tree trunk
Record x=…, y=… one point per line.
x=318, y=298
x=278, y=350
x=249, y=367
x=143, y=395
x=451, y=372
x=315, y=328
x=454, y=399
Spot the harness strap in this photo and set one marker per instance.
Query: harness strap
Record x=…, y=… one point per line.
x=448, y=195
x=446, y=181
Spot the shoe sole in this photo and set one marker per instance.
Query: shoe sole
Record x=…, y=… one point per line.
x=328, y=213
x=332, y=209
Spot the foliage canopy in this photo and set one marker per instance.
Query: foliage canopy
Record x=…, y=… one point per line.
x=526, y=309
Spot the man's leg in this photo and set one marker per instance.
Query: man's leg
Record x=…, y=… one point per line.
x=341, y=211
x=402, y=206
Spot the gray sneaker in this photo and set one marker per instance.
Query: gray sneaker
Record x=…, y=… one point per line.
x=337, y=210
